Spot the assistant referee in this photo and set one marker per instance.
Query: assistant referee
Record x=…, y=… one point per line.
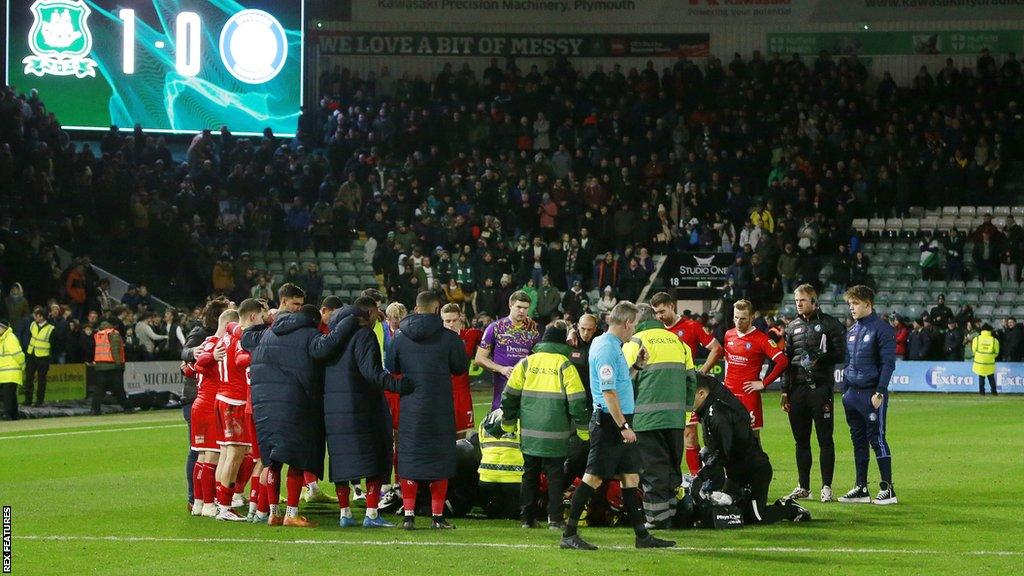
x=613, y=448
x=815, y=343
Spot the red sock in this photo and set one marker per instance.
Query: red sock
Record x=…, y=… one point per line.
x=307, y=478
x=372, y=492
x=343, y=492
x=197, y=483
x=409, y=489
x=224, y=494
x=438, y=491
x=254, y=488
x=244, y=472
x=262, y=500
x=273, y=487
x=209, y=482
x=295, y=478
x=693, y=460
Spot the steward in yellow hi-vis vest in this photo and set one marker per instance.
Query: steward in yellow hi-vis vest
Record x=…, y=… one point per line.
x=985, y=348
x=545, y=395
x=665, y=383
x=12, y=370
x=37, y=357
x=501, y=468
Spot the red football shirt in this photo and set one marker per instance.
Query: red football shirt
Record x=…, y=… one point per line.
x=744, y=356
x=233, y=387
x=471, y=338
x=205, y=367
x=691, y=333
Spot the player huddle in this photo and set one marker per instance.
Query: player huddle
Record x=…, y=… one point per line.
x=342, y=376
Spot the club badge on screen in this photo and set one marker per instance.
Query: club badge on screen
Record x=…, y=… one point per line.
x=253, y=46
x=60, y=40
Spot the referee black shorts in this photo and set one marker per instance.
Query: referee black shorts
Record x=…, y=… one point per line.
x=609, y=455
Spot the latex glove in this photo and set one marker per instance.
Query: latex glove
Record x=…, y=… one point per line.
x=721, y=498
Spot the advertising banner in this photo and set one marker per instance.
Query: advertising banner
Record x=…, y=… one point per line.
x=897, y=43
x=618, y=12
x=697, y=268
x=155, y=376
x=65, y=382
x=332, y=42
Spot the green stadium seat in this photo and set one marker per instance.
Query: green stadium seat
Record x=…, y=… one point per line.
x=328, y=267
x=369, y=281
x=332, y=281
x=988, y=297
x=1008, y=298
x=351, y=281
x=346, y=267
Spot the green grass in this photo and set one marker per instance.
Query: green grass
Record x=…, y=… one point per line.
x=87, y=500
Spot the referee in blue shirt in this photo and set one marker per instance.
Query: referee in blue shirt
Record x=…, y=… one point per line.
x=871, y=359
x=613, y=448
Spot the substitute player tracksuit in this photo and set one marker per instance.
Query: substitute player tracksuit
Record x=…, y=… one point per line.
x=871, y=359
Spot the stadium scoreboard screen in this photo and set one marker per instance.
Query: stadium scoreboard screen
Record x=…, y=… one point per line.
x=169, y=65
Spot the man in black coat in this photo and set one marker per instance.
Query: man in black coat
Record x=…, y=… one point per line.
x=287, y=398
x=1011, y=341
x=920, y=341
x=953, y=342
x=428, y=353
x=356, y=414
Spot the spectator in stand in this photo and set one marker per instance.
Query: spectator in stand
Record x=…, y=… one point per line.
x=986, y=256
x=902, y=335
x=607, y=301
x=74, y=287
x=919, y=342
x=223, y=277
x=954, y=244
x=789, y=268
x=929, y=259
x=17, y=306
x=147, y=336
x=1011, y=341
x=860, y=271
x=839, y=278
x=941, y=314
x=953, y=342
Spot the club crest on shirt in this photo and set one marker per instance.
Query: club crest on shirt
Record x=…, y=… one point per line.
x=605, y=371
x=873, y=416
x=817, y=327
x=747, y=345
x=798, y=330
x=867, y=337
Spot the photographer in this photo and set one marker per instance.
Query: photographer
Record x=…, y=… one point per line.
x=815, y=343
x=736, y=470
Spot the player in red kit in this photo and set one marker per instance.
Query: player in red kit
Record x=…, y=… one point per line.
x=746, y=349
x=451, y=315
x=691, y=333
x=230, y=408
x=206, y=428
x=251, y=312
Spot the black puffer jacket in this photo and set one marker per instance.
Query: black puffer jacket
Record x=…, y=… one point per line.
x=287, y=388
x=731, y=446
x=356, y=414
x=429, y=354
x=804, y=337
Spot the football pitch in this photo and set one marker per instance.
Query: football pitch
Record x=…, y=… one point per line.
x=106, y=496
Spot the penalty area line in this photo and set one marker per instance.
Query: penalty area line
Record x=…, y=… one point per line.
x=553, y=545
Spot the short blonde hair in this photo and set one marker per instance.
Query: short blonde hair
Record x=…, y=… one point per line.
x=743, y=306
x=396, y=310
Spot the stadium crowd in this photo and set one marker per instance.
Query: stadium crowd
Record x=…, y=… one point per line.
x=476, y=184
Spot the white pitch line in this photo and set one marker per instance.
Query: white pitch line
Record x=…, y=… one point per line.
x=389, y=543
x=77, y=432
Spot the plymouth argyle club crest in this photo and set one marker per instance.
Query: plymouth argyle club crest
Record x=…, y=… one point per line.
x=60, y=39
